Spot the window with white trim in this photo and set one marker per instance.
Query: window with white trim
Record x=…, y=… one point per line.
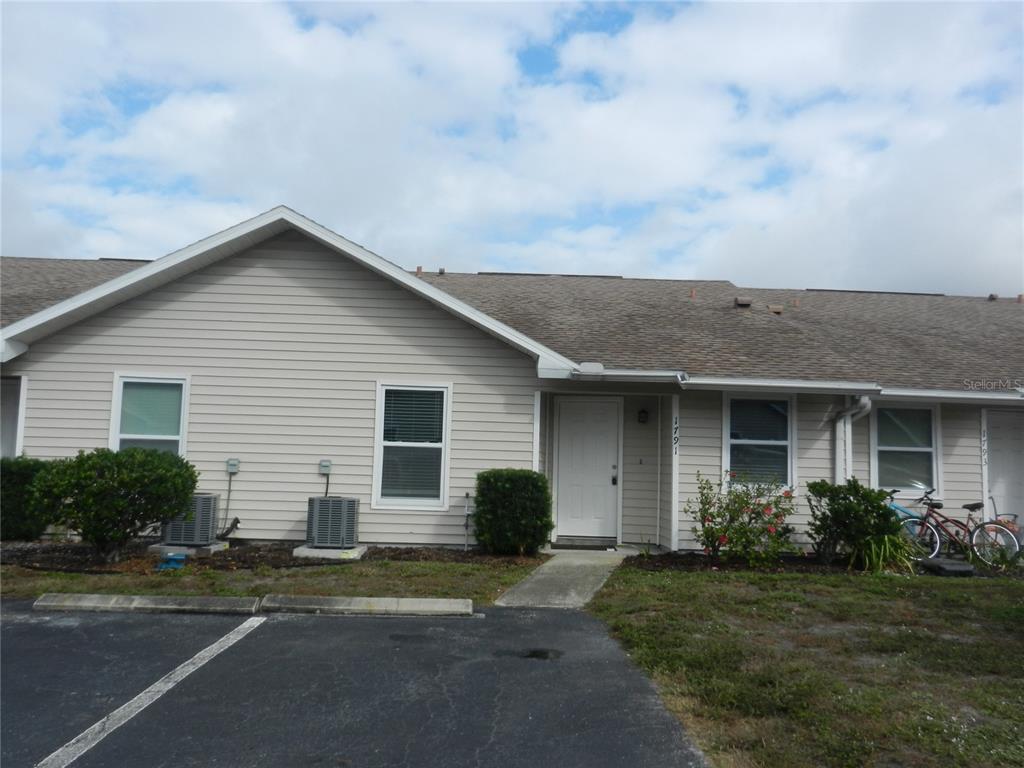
x=759, y=444
x=905, y=448
x=412, y=446
x=149, y=413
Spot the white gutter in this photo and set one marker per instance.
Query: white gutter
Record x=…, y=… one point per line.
x=782, y=385
x=955, y=395
x=623, y=374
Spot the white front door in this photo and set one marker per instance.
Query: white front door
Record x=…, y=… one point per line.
x=1006, y=463
x=587, y=490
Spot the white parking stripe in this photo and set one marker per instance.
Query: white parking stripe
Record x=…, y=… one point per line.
x=91, y=737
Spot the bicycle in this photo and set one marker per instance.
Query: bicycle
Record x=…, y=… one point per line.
x=992, y=542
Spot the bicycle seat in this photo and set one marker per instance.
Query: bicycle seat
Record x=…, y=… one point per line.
x=935, y=504
x=975, y=506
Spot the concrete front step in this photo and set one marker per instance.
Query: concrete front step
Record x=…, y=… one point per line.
x=942, y=566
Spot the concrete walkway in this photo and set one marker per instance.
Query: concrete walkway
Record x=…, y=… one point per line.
x=567, y=580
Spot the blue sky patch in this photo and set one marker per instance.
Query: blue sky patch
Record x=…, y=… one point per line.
x=833, y=95
x=538, y=62
x=740, y=99
x=752, y=151
x=986, y=94
x=131, y=97
x=775, y=175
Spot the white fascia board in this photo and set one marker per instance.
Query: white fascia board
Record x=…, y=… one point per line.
x=781, y=385
x=248, y=233
x=11, y=349
x=629, y=374
x=1013, y=397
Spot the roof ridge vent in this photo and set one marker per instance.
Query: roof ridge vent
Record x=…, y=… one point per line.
x=743, y=301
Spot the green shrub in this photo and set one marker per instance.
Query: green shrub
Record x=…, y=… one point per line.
x=110, y=498
x=17, y=519
x=743, y=520
x=855, y=521
x=513, y=511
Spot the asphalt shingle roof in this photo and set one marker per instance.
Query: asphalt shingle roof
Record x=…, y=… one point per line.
x=29, y=285
x=897, y=340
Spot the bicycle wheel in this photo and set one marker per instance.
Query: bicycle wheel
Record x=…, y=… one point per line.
x=922, y=536
x=994, y=544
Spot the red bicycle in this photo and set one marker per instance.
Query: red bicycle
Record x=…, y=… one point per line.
x=990, y=541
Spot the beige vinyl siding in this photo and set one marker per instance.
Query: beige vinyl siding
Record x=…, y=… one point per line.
x=665, y=485
x=639, y=475
x=961, y=457
x=284, y=344
x=700, y=450
x=815, y=446
x=862, y=450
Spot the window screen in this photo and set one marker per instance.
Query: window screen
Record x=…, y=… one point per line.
x=151, y=415
x=759, y=440
x=905, y=448
x=412, y=444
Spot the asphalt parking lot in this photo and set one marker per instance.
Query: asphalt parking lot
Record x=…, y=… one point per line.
x=516, y=688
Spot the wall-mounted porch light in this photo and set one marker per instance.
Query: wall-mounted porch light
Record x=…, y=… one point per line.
x=642, y=416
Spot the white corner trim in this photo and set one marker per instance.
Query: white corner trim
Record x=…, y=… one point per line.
x=984, y=464
x=120, y=377
x=674, y=529
x=536, y=431
x=18, y=335
x=381, y=503
x=19, y=434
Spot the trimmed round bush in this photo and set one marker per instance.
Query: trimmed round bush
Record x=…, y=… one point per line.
x=18, y=520
x=513, y=511
x=110, y=497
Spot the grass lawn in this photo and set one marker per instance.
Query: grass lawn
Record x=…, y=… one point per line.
x=831, y=670
x=482, y=582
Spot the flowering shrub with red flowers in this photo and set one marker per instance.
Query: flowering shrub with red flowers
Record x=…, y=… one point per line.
x=742, y=520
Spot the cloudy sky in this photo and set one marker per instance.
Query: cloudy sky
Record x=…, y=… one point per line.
x=867, y=145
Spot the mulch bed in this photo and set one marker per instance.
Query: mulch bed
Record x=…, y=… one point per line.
x=444, y=555
x=75, y=557
x=695, y=561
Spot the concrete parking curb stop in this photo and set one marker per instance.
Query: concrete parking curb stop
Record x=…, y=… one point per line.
x=362, y=606
x=370, y=606
x=57, y=601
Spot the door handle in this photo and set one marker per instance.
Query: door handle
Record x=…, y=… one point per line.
x=615, y=479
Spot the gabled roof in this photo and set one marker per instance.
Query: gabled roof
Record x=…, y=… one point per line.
x=884, y=344
x=21, y=333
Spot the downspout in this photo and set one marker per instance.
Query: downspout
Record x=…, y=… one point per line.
x=843, y=444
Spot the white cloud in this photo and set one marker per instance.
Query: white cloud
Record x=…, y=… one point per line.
x=133, y=129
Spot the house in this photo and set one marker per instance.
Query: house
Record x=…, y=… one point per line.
x=280, y=343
